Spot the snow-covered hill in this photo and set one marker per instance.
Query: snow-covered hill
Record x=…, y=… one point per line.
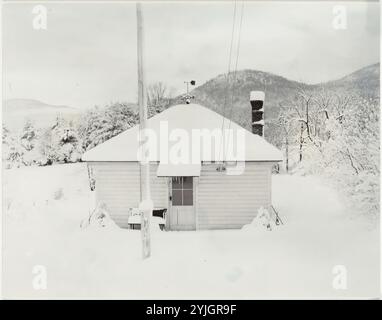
x=279, y=90
x=17, y=111
x=364, y=81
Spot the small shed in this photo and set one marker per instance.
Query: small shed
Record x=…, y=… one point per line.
x=206, y=171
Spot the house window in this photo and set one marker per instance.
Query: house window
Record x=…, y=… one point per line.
x=182, y=191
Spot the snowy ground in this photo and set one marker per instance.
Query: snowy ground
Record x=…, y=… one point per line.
x=44, y=207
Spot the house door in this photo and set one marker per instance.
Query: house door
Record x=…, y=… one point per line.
x=182, y=209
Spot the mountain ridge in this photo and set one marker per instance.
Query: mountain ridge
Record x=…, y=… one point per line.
x=213, y=94
x=17, y=111
x=278, y=90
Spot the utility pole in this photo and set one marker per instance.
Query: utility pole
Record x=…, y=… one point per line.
x=145, y=206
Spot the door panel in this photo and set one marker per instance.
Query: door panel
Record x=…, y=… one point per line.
x=182, y=209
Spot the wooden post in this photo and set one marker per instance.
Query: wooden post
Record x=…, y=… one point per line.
x=145, y=206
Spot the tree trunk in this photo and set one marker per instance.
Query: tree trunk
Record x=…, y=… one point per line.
x=287, y=155
x=301, y=139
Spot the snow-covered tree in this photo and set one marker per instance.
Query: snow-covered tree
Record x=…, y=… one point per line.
x=287, y=133
x=101, y=124
x=337, y=136
x=12, y=151
x=355, y=152
x=60, y=144
x=28, y=136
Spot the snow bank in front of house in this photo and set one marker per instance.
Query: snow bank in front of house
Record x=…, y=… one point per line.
x=262, y=221
x=45, y=205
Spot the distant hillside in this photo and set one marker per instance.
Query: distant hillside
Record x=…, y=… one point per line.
x=364, y=81
x=212, y=94
x=17, y=111
x=278, y=90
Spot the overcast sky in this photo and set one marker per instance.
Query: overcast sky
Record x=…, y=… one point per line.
x=87, y=55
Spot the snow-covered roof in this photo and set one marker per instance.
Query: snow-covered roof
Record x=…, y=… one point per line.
x=184, y=122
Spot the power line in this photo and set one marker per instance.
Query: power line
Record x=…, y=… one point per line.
x=235, y=71
x=228, y=75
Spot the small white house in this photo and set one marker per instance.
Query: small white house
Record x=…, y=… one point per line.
x=208, y=172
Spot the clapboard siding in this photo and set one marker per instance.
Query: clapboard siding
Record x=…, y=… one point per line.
x=222, y=201
x=226, y=202
x=117, y=185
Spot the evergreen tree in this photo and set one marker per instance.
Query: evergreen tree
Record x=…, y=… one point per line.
x=28, y=136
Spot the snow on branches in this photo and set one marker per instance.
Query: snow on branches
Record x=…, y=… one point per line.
x=336, y=136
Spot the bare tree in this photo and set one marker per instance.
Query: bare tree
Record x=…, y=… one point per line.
x=157, y=93
x=158, y=97
x=287, y=126
x=301, y=109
